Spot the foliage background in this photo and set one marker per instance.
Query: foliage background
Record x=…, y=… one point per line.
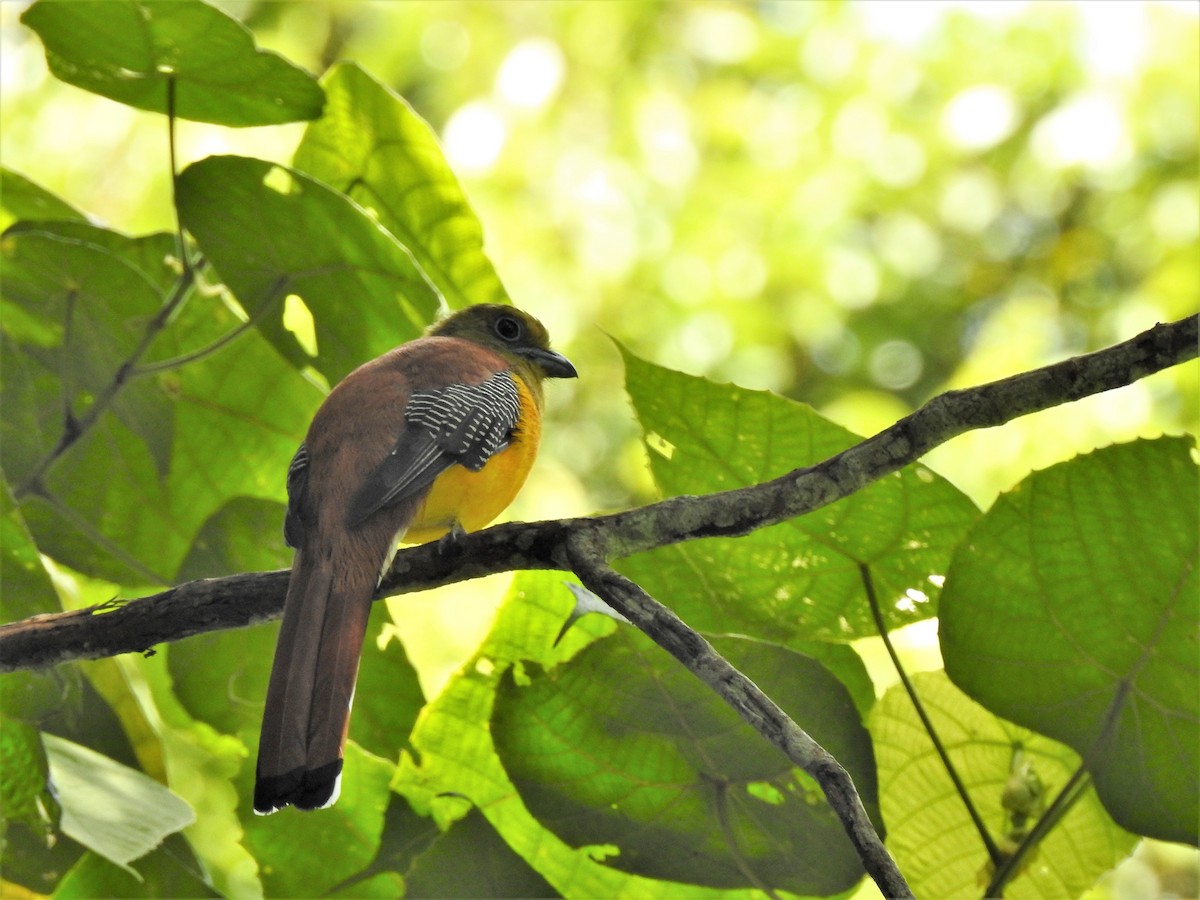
x=857, y=205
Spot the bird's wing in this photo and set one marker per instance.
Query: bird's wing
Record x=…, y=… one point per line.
x=464, y=424
x=297, y=480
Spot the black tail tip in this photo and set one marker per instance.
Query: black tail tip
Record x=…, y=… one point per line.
x=302, y=788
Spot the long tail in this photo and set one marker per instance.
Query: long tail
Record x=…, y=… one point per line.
x=312, y=686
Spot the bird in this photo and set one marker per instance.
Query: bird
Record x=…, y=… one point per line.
x=432, y=439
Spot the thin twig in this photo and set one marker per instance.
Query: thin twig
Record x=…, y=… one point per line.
x=175, y=362
x=994, y=852
x=180, y=239
x=78, y=427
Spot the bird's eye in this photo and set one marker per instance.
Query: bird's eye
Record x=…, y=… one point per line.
x=508, y=328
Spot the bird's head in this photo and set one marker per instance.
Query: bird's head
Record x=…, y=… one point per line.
x=512, y=333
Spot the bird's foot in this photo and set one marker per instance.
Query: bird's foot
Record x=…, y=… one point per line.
x=448, y=543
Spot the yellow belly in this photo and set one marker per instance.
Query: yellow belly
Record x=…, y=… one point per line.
x=474, y=499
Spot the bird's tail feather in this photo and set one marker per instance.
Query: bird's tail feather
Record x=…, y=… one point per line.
x=311, y=688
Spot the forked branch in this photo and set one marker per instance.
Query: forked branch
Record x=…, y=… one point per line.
x=586, y=546
x=245, y=599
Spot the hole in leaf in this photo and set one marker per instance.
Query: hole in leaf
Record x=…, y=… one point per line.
x=279, y=180
x=298, y=319
x=766, y=792
x=660, y=445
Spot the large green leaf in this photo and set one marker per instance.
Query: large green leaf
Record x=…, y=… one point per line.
x=373, y=146
x=125, y=501
x=458, y=761
x=220, y=678
x=623, y=746
x=242, y=536
x=388, y=695
x=152, y=255
x=1071, y=609
x=929, y=831
x=21, y=198
x=304, y=854
x=273, y=233
x=471, y=860
x=77, y=300
x=799, y=578
x=130, y=51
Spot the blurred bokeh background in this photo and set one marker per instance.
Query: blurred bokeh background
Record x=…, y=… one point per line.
x=855, y=204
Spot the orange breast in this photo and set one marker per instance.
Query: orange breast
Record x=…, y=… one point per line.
x=474, y=499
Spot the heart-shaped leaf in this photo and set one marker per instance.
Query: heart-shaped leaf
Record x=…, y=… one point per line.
x=1011, y=774
x=1071, y=609
x=273, y=233
x=799, y=579
x=623, y=746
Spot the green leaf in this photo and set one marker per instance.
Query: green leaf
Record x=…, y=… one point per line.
x=242, y=536
x=624, y=746
x=304, y=854
x=471, y=860
x=373, y=146
x=24, y=795
x=27, y=587
x=929, y=831
x=112, y=809
x=221, y=679
x=109, y=509
x=169, y=871
x=153, y=256
x=129, y=52
x=382, y=885
x=129, y=519
x=458, y=762
x=92, y=293
x=21, y=198
x=244, y=411
x=362, y=288
x=1071, y=609
x=799, y=578
x=387, y=695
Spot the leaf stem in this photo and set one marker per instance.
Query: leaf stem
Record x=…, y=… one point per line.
x=180, y=240
x=75, y=428
x=993, y=851
x=720, y=800
x=176, y=362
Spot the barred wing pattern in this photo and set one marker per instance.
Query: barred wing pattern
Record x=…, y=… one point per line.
x=297, y=478
x=464, y=424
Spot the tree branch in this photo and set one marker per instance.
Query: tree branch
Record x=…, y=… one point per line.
x=755, y=708
x=586, y=546
x=238, y=600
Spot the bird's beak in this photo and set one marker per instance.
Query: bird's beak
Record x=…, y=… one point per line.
x=553, y=365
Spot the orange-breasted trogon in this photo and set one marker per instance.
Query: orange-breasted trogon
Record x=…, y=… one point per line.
x=434, y=436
